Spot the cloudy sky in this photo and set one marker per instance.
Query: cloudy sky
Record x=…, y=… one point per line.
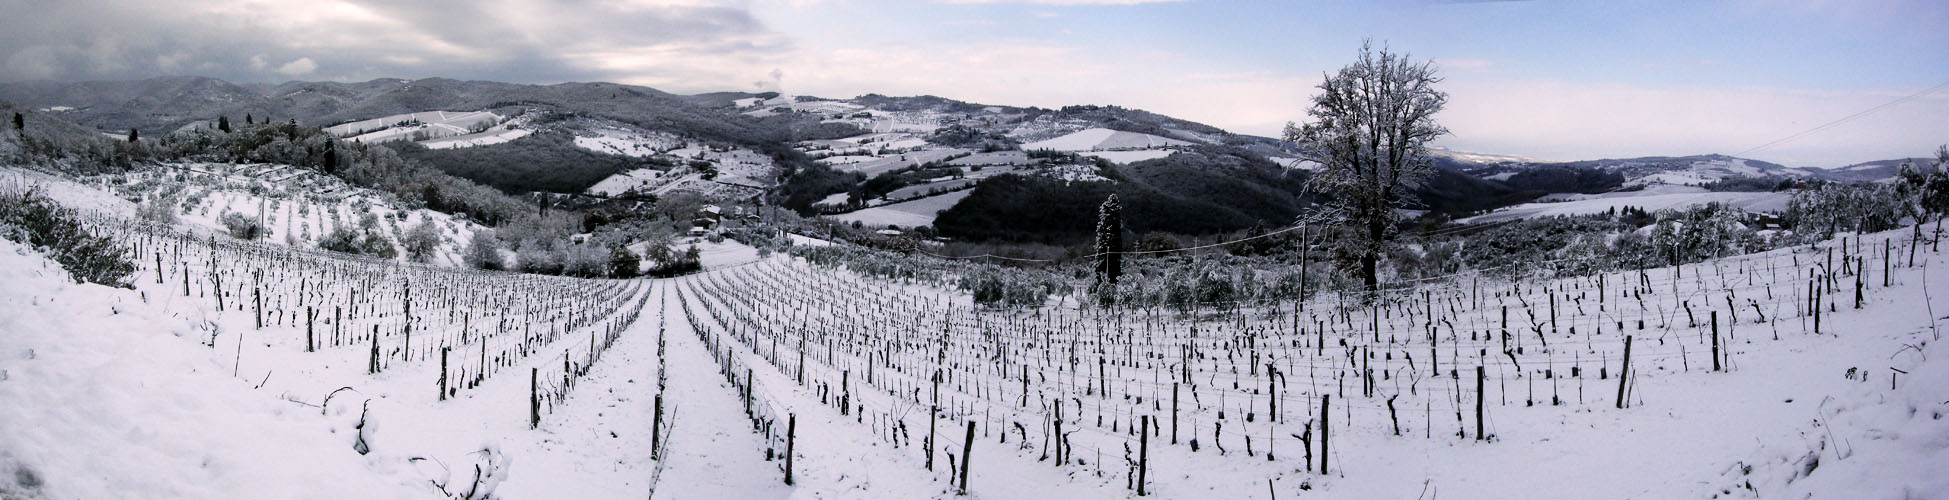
x=1546, y=79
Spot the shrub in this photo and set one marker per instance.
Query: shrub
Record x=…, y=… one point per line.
x=32, y=218
x=376, y=245
x=679, y=264
x=242, y=227
x=624, y=263
x=370, y=243
x=484, y=252
x=585, y=261
x=422, y=241
x=158, y=210
x=535, y=258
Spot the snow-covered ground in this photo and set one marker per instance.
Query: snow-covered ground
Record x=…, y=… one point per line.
x=1103, y=139
x=913, y=213
x=295, y=206
x=642, y=178
x=1131, y=156
x=1653, y=198
x=419, y=126
x=876, y=165
x=627, y=142
x=497, y=135
x=247, y=370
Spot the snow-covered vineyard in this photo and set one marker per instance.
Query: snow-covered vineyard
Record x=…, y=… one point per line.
x=251, y=370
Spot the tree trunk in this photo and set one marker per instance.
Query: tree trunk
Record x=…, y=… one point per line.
x=1369, y=274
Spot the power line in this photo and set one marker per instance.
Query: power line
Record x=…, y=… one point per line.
x=1848, y=118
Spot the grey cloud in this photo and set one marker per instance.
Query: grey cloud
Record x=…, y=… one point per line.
x=507, y=40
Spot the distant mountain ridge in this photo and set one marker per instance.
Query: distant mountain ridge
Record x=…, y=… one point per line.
x=163, y=104
x=1198, y=178
x=1697, y=170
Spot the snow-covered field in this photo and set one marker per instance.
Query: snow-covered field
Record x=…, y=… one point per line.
x=876, y=165
x=642, y=178
x=252, y=370
x=628, y=143
x=498, y=135
x=913, y=213
x=1652, y=198
x=419, y=126
x=1103, y=139
x=1131, y=156
x=1745, y=399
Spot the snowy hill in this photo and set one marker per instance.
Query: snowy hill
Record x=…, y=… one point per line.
x=296, y=207
x=1103, y=139
x=1695, y=170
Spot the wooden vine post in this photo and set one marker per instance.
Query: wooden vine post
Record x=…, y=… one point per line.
x=1325, y=405
x=791, y=432
x=1623, y=374
x=1143, y=454
x=1715, y=342
x=967, y=447
x=1480, y=376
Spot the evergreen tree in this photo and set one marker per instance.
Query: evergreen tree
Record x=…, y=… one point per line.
x=247, y=119
x=133, y=136
x=330, y=162
x=623, y=263
x=1109, y=241
x=20, y=122
x=223, y=124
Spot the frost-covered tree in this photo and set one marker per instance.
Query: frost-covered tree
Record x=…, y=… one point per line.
x=1935, y=189
x=1109, y=242
x=1927, y=188
x=422, y=241
x=484, y=251
x=242, y=226
x=1371, y=124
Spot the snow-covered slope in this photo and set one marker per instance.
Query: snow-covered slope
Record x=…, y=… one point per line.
x=419, y=126
x=295, y=206
x=1103, y=139
x=113, y=394
x=1654, y=198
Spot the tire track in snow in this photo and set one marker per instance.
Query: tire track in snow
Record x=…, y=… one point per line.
x=712, y=452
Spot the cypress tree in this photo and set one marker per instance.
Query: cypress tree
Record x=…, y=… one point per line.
x=1109, y=241
x=133, y=136
x=20, y=122
x=223, y=124
x=330, y=163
